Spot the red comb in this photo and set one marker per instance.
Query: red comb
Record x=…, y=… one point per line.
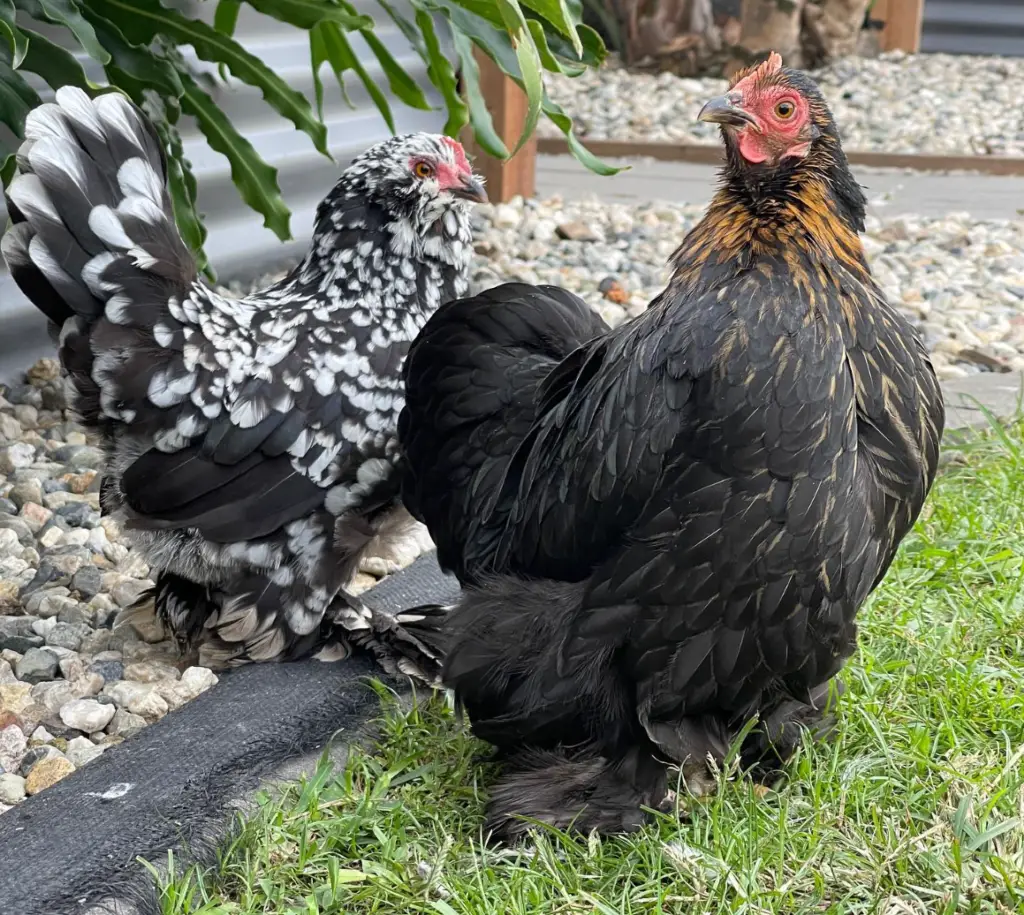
x=757, y=73
x=460, y=154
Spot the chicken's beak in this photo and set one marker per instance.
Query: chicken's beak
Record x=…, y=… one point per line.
x=726, y=111
x=471, y=188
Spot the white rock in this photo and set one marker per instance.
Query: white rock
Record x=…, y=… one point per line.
x=81, y=750
x=196, y=680
x=138, y=698
x=87, y=715
x=12, y=789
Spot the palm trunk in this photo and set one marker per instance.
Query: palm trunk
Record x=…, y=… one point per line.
x=768, y=25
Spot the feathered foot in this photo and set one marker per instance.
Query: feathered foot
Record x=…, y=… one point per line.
x=396, y=542
x=407, y=642
x=581, y=793
x=174, y=607
x=772, y=744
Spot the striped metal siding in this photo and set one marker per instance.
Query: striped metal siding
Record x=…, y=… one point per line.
x=238, y=244
x=974, y=27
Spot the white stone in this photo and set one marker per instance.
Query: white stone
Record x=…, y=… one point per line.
x=87, y=715
x=196, y=680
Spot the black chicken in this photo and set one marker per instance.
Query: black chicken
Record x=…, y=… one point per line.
x=666, y=529
x=251, y=444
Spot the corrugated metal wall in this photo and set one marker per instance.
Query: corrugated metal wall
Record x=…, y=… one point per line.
x=974, y=27
x=238, y=244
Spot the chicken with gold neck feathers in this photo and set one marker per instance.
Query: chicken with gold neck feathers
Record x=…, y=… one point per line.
x=665, y=530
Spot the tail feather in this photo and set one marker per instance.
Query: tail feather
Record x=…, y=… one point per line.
x=95, y=247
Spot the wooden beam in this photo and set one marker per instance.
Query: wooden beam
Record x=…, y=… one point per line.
x=507, y=104
x=902, y=20
x=713, y=155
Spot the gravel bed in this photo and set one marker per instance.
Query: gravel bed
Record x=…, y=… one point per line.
x=924, y=103
x=959, y=280
x=71, y=686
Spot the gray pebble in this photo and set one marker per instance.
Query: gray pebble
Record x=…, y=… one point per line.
x=52, y=605
x=67, y=635
x=36, y=755
x=78, y=514
x=26, y=491
x=36, y=666
x=20, y=528
x=81, y=751
x=25, y=394
x=125, y=723
x=45, y=574
x=20, y=643
x=87, y=581
x=110, y=670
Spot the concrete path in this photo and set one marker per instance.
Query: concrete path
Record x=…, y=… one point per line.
x=970, y=399
x=890, y=192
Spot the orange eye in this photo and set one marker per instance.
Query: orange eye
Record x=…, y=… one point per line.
x=784, y=110
x=423, y=170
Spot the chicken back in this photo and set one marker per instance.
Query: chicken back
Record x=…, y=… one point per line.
x=665, y=530
x=251, y=443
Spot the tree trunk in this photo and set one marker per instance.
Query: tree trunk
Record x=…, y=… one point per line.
x=768, y=25
x=839, y=25
x=655, y=27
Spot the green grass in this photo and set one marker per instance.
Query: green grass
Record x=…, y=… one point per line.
x=917, y=808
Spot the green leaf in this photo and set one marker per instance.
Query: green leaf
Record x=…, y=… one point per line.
x=317, y=58
x=548, y=59
x=15, y=37
x=479, y=116
x=255, y=179
x=8, y=166
x=497, y=45
x=68, y=14
x=594, y=51
x=342, y=58
x=17, y=98
x=130, y=63
x=558, y=14
x=306, y=13
x=144, y=19
x=57, y=66
x=440, y=73
x=580, y=152
x=402, y=84
x=407, y=28
x=529, y=65
x=225, y=17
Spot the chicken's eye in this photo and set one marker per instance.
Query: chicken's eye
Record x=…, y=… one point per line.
x=423, y=170
x=784, y=110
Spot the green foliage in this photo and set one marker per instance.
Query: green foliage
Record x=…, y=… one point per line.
x=135, y=43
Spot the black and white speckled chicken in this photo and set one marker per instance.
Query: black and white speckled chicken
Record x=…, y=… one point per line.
x=251, y=443
x=666, y=529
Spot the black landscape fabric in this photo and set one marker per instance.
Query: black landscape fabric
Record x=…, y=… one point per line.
x=172, y=786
